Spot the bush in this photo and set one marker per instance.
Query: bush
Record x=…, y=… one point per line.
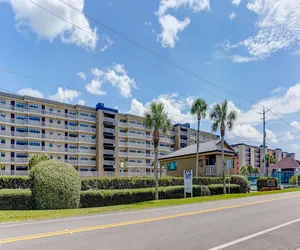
x=263, y=182
x=14, y=182
x=55, y=185
x=292, y=181
x=240, y=180
x=15, y=199
x=216, y=189
x=126, y=196
x=36, y=159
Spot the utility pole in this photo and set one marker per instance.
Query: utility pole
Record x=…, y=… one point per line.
x=264, y=141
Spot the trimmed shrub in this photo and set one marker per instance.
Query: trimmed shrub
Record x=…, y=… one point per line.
x=55, y=185
x=240, y=180
x=216, y=189
x=263, y=182
x=15, y=199
x=101, y=198
x=36, y=159
x=292, y=180
x=14, y=182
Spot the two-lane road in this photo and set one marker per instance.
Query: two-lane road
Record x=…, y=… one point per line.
x=264, y=222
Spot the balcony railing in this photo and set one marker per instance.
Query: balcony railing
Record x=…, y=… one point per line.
x=135, y=125
x=46, y=149
x=43, y=112
x=211, y=170
x=109, y=152
x=109, y=163
x=109, y=141
x=13, y=159
x=109, y=130
x=27, y=122
x=110, y=120
x=14, y=173
x=138, y=164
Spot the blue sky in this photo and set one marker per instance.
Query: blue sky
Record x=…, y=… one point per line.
x=251, y=47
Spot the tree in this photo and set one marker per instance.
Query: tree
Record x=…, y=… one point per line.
x=198, y=108
x=222, y=119
x=270, y=159
x=250, y=169
x=256, y=171
x=2, y=167
x=157, y=120
x=37, y=158
x=244, y=171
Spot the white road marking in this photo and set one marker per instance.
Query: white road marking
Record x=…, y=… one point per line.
x=234, y=242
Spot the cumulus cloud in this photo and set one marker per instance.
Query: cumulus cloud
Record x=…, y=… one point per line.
x=95, y=87
x=108, y=42
x=232, y=16
x=171, y=26
x=295, y=124
x=176, y=107
x=46, y=26
x=278, y=90
x=65, y=95
x=81, y=102
x=81, y=75
x=31, y=92
x=236, y=2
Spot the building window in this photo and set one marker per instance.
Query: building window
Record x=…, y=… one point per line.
x=2, y=154
x=51, y=120
x=34, y=143
x=51, y=109
x=2, y=141
x=58, y=110
x=35, y=106
x=22, y=130
x=3, y=115
x=3, y=128
x=3, y=102
x=58, y=121
x=172, y=166
x=51, y=145
x=58, y=145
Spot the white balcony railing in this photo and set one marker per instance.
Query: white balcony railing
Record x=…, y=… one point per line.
x=109, y=173
x=211, y=170
x=13, y=159
x=138, y=164
x=109, y=130
x=110, y=120
x=89, y=173
x=111, y=163
x=43, y=112
x=109, y=141
x=109, y=152
x=183, y=133
x=14, y=173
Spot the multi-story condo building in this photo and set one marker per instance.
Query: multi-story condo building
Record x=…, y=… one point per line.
x=96, y=141
x=252, y=155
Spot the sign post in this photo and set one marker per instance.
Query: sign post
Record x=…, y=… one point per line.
x=188, y=182
x=229, y=165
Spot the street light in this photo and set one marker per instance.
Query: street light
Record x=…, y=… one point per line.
x=122, y=166
x=297, y=170
x=279, y=171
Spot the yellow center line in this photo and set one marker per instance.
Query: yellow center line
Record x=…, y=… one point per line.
x=133, y=222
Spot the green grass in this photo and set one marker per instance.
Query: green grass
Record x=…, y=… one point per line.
x=13, y=216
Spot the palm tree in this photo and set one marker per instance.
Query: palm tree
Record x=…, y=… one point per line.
x=222, y=119
x=269, y=160
x=198, y=108
x=256, y=171
x=244, y=171
x=156, y=119
x=250, y=169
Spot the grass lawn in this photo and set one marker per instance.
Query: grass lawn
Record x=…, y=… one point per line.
x=17, y=215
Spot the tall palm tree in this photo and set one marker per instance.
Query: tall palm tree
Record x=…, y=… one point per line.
x=198, y=108
x=156, y=119
x=243, y=171
x=222, y=119
x=270, y=159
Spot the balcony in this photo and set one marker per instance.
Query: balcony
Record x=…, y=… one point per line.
x=183, y=141
x=109, y=152
x=43, y=112
x=14, y=173
x=109, y=130
x=138, y=164
x=123, y=124
x=135, y=125
x=110, y=120
x=183, y=133
x=8, y=160
x=109, y=141
x=211, y=170
x=109, y=163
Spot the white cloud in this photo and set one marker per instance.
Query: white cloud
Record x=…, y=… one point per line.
x=270, y=136
x=295, y=146
x=278, y=90
x=81, y=75
x=279, y=26
x=194, y=5
x=94, y=87
x=176, y=107
x=81, y=102
x=105, y=47
x=47, y=26
x=97, y=72
x=232, y=16
x=108, y=43
x=236, y=2
x=31, y=92
x=65, y=95
x=171, y=26
x=296, y=52
x=288, y=136
x=148, y=23
x=244, y=131
x=243, y=59
x=295, y=124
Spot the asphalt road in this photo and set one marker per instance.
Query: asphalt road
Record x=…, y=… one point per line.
x=267, y=222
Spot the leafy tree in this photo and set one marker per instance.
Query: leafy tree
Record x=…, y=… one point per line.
x=270, y=159
x=157, y=120
x=222, y=119
x=244, y=171
x=198, y=108
x=255, y=171
x=250, y=169
x=37, y=158
x=2, y=166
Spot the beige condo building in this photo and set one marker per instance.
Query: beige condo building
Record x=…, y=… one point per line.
x=96, y=141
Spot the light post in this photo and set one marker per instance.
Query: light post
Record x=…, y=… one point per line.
x=122, y=167
x=297, y=170
x=279, y=175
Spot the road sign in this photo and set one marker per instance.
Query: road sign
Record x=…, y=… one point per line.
x=188, y=182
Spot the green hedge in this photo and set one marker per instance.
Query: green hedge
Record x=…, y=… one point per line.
x=216, y=189
x=262, y=182
x=97, y=198
x=292, y=180
x=14, y=182
x=15, y=199
x=130, y=182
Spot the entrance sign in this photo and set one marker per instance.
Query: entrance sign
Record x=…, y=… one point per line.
x=271, y=183
x=188, y=182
